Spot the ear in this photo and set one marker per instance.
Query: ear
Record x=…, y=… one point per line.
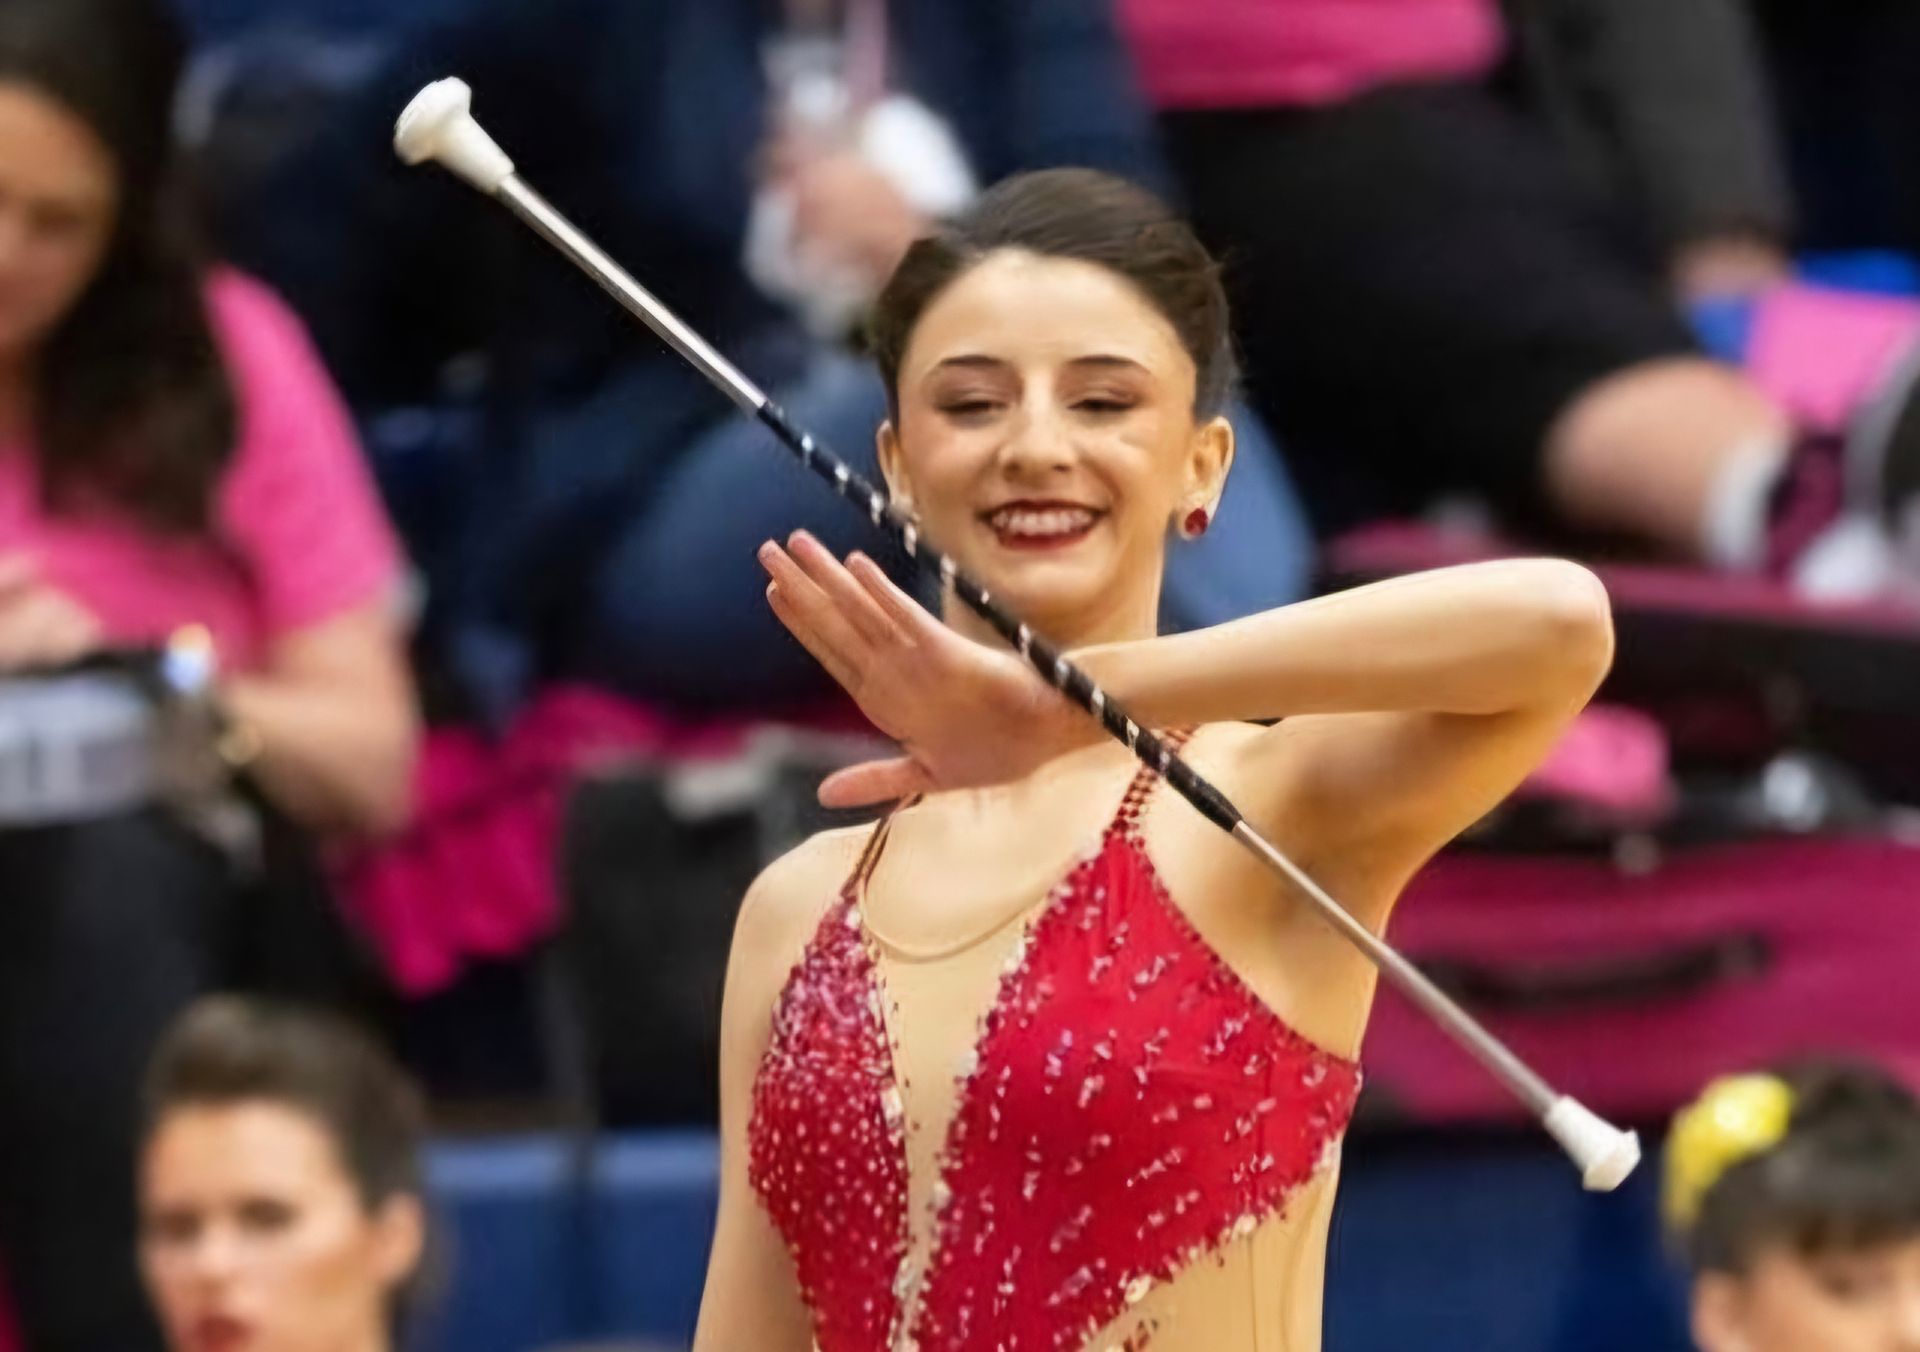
x=400, y=1238
x=893, y=466
x=1719, y=1315
x=1209, y=459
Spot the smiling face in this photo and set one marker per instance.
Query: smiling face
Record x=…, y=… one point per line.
x=255, y=1238
x=59, y=198
x=1864, y=1301
x=1046, y=437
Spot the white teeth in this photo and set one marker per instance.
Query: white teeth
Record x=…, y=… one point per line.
x=1053, y=521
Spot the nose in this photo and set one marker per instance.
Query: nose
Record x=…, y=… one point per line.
x=1038, y=446
x=214, y=1256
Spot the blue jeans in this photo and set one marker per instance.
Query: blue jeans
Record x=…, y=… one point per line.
x=678, y=610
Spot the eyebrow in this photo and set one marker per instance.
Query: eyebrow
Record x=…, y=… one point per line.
x=980, y=360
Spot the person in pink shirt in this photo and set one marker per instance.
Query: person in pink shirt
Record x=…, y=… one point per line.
x=171, y=455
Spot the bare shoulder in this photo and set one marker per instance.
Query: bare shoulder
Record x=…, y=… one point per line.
x=785, y=904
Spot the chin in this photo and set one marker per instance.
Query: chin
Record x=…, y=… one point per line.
x=1050, y=598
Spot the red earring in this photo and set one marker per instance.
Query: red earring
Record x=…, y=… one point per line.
x=1196, y=523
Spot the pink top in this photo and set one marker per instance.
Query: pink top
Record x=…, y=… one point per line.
x=1826, y=354
x=1266, y=53
x=303, y=535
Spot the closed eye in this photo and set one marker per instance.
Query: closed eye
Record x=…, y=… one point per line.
x=172, y=1227
x=1103, y=407
x=266, y=1215
x=969, y=408
x=54, y=222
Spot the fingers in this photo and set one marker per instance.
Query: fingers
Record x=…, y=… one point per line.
x=810, y=618
x=882, y=781
x=856, y=604
x=907, y=614
x=779, y=158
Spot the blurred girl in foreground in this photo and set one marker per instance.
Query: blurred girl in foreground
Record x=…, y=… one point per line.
x=1795, y=1198
x=280, y=1184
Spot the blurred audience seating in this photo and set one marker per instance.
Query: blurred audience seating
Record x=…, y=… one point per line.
x=1490, y=1244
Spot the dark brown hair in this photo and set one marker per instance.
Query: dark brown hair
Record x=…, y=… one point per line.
x=226, y=1051
x=134, y=407
x=1846, y=1176
x=1080, y=214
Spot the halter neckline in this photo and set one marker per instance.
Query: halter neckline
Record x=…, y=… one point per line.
x=1125, y=822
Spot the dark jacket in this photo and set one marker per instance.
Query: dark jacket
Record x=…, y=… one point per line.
x=1664, y=99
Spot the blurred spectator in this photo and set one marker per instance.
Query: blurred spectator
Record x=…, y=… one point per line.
x=1795, y=1199
x=1458, y=232
x=171, y=455
x=280, y=1190
x=761, y=166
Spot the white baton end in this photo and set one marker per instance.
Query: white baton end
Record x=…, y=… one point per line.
x=439, y=125
x=1605, y=1154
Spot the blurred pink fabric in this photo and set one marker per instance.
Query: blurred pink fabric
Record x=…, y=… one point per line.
x=1823, y=353
x=1291, y=53
x=303, y=535
x=477, y=877
x=1631, y=989
x=1612, y=759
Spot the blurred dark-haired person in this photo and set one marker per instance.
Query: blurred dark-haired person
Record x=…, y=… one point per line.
x=280, y=1188
x=172, y=456
x=1464, y=232
x=762, y=166
x=1795, y=1199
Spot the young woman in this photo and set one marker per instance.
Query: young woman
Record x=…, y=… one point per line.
x=1795, y=1198
x=1045, y=1058
x=171, y=456
x=280, y=1187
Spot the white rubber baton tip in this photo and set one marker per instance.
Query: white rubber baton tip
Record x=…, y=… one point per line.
x=1605, y=1154
x=438, y=125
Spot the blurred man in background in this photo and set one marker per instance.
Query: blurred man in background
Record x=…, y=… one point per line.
x=762, y=166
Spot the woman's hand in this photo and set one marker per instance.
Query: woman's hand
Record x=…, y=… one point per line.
x=846, y=213
x=965, y=715
x=41, y=627
x=1725, y=267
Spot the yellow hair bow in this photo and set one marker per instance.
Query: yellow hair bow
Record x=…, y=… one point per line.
x=1733, y=1120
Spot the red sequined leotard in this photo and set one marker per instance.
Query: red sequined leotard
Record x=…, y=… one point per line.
x=1128, y=1115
